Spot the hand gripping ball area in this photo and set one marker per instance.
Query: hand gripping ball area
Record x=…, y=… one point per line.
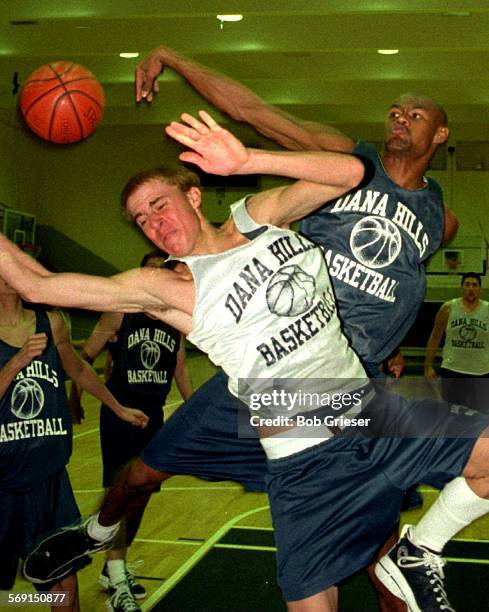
x=62, y=102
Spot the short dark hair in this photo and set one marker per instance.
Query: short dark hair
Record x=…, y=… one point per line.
x=180, y=176
x=472, y=275
x=153, y=255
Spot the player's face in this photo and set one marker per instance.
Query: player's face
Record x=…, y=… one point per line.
x=471, y=290
x=166, y=215
x=414, y=126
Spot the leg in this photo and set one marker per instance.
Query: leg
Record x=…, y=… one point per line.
x=131, y=488
x=115, y=569
x=413, y=569
x=69, y=585
x=54, y=557
x=326, y=601
x=387, y=601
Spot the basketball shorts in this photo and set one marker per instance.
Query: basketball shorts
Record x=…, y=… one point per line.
x=466, y=389
x=24, y=517
x=333, y=505
x=122, y=442
x=201, y=439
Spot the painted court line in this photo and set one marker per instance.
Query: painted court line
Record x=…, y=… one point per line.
x=170, y=542
x=189, y=488
x=195, y=558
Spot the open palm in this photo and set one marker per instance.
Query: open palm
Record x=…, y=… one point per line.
x=214, y=149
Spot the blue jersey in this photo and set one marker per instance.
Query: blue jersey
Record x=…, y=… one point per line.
x=376, y=240
x=144, y=360
x=35, y=423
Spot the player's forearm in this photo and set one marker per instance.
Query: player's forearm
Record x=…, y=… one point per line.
x=183, y=381
x=87, y=379
x=6, y=246
x=67, y=289
x=431, y=350
x=335, y=169
x=7, y=374
x=242, y=104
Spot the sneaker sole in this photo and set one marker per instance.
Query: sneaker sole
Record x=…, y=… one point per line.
x=63, y=570
x=388, y=573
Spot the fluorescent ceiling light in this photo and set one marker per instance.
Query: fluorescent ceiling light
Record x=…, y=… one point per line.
x=387, y=51
x=229, y=17
x=128, y=55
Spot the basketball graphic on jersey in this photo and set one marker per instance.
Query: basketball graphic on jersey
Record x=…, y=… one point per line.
x=467, y=333
x=150, y=354
x=290, y=291
x=27, y=399
x=375, y=242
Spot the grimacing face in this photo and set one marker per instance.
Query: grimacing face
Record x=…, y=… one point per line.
x=166, y=215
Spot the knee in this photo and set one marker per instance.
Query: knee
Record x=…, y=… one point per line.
x=142, y=478
x=478, y=463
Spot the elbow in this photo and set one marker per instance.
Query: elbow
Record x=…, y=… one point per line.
x=361, y=172
x=31, y=294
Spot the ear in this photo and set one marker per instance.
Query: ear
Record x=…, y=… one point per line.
x=194, y=196
x=441, y=135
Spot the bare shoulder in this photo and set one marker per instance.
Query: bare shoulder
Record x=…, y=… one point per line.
x=58, y=326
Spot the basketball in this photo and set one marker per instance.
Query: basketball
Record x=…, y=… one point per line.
x=290, y=292
x=375, y=242
x=27, y=399
x=62, y=102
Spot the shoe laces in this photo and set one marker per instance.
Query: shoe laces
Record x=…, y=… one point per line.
x=433, y=565
x=131, y=570
x=122, y=599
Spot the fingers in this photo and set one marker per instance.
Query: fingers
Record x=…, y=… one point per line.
x=145, y=85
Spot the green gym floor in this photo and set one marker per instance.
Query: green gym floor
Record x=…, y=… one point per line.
x=209, y=546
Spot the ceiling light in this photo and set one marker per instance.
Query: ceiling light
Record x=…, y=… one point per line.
x=229, y=17
x=387, y=51
x=128, y=55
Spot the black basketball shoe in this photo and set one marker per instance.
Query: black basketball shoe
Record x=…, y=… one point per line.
x=415, y=575
x=55, y=555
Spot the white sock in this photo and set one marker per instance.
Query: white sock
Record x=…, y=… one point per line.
x=456, y=507
x=117, y=571
x=99, y=532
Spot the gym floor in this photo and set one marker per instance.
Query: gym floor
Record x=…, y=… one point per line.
x=209, y=546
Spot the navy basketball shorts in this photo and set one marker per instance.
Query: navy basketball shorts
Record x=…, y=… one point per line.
x=122, y=442
x=201, y=439
x=26, y=516
x=333, y=505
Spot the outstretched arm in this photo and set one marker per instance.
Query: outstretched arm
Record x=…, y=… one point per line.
x=85, y=376
x=322, y=175
x=240, y=103
x=139, y=290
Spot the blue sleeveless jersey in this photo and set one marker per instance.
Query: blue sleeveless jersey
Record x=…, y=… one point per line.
x=376, y=240
x=35, y=423
x=144, y=359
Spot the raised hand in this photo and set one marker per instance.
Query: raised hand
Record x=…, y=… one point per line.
x=147, y=72
x=214, y=149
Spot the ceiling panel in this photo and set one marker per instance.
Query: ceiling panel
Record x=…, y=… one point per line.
x=316, y=57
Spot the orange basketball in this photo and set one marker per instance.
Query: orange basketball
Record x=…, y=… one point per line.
x=62, y=102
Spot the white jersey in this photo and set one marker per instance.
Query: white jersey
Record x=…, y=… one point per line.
x=466, y=347
x=266, y=310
